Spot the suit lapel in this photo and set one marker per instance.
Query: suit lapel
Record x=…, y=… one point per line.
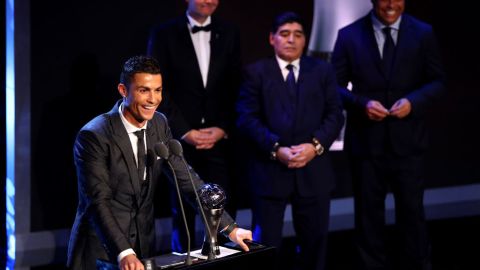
x=370, y=42
x=402, y=43
x=301, y=83
x=216, y=45
x=280, y=90
x=122, y=140
x=150, y=135
x=185, y=46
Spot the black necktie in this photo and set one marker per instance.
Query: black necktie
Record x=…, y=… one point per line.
x=206, y=28
x=141, y=157
x=291, y=84
x=388, y=50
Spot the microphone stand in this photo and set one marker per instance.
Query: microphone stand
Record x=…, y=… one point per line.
x=177, y=149
x=162, y=151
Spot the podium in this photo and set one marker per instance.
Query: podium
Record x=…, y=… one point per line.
x=241, y=260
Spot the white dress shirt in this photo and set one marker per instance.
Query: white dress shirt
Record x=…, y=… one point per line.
x=201, y=43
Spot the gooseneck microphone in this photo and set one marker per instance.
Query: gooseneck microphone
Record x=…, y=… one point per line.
x=162, y=151
x=177, y=150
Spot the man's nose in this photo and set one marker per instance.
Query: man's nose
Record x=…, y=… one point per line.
x=291, y=38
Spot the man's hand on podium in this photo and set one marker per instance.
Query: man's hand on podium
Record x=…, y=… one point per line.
x=238, y=235
x=131, y=262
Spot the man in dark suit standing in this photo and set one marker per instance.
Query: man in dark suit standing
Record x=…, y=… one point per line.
x=394, y=65
x=200, y=59
x=114, y=220
x=289, y=108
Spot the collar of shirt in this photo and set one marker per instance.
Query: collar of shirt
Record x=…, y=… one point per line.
x=380, y=36
x=192, y=22
x=130, y=131
x=378, y=26
x=128, y=126
x=283, y=67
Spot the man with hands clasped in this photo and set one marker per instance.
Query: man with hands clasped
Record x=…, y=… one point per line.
x=289, y=109
x=393, y=63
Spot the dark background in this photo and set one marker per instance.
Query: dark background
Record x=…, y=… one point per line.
x=78, y=48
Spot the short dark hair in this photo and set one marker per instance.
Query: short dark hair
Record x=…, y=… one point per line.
x=138, y=64
x=286, y=17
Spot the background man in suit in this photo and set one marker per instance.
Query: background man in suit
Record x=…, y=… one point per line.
x=290, y=109
x=114, y=220
x=200, y=60
x=395, y=75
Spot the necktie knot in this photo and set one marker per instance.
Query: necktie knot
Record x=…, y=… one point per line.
x=206, y=28
x=290, y=67
x=140, y=134
x=387, y=31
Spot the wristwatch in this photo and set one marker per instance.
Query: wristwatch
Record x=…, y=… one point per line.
x=226, y=232
x=273, y=153
x=318, y=147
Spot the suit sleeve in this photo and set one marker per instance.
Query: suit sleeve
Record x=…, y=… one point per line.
x=332, y=121
x=342, y=64
x=233, y=77
x=249, y=106
x=91, y=158
x=434, y=76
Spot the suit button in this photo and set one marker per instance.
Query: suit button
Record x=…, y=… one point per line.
x=132, y=235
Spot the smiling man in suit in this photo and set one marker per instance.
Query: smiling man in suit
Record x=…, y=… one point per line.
x=200, y=59
x=289, y=108
x=393, y=63
x=116, y=180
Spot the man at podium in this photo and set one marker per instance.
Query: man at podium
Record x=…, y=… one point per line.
x=118, y=171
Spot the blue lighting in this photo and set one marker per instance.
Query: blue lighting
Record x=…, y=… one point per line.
x=10, y=128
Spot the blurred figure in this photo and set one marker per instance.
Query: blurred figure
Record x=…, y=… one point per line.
x=394, y=65
x=200, y=58
x=289, y=108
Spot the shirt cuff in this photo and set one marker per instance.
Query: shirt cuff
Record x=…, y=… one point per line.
x=184, y=135
x=125, y=253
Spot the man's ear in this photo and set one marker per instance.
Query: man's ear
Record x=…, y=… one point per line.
x=271, y=38
x=122, y=89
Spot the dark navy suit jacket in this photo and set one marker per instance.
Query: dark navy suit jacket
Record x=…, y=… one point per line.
x=417, y=75
x=268, y=114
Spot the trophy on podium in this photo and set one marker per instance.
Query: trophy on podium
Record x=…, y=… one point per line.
x=213, y=199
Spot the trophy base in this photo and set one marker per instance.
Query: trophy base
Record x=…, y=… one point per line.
x=210, y=252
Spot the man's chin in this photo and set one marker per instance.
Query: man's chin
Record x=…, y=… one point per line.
x=148, y=117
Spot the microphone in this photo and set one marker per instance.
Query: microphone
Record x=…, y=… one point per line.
x=177, y=150
x=151, y=157
x=162, y=151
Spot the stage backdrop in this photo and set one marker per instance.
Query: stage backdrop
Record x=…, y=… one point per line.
x=77, y=48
